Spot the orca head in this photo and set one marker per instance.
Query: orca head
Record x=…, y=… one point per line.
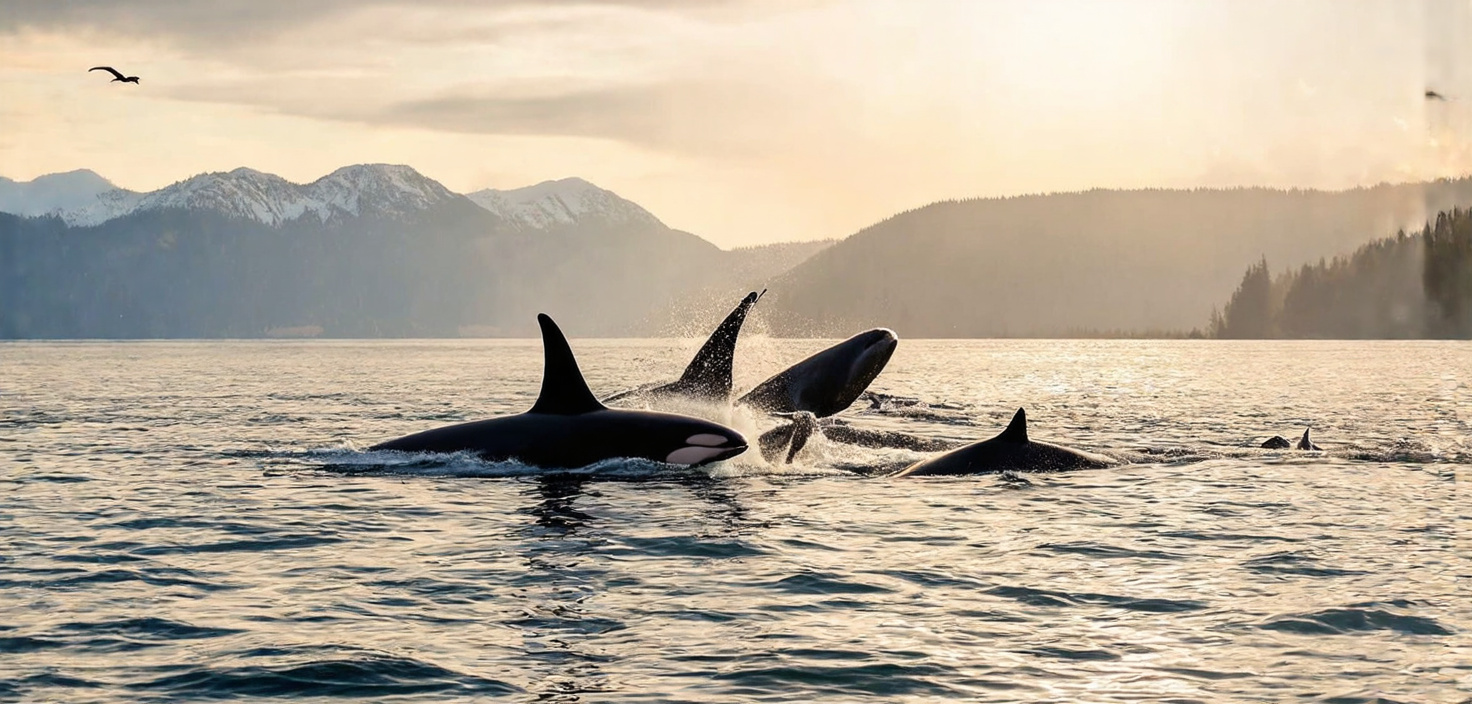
x=875, y=347
x=702, y=443
x=859, y=360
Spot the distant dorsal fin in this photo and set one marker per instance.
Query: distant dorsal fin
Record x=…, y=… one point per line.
x=709, y=373
x=1016, y=430
x=564, y=391
x=1304, y=443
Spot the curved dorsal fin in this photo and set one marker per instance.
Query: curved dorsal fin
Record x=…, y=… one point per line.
x=564, y=391
x=1016, y=430
x=709, y=373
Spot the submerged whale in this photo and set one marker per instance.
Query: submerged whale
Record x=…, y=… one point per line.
x=1278, y=442
x=567, y=427
x=1009, y=451
x=708, y=376
x=828, y=381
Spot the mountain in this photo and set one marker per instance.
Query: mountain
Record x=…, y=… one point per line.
x=52, y=192
x=364, y=189
x=565, y=203
x=366, y=251
x=1061, y=264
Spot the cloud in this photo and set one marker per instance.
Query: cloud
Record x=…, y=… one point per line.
x=723, y=117
x=205, y=23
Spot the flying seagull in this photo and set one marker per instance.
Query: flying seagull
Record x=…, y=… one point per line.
x=1433, y=95
x=113, y=71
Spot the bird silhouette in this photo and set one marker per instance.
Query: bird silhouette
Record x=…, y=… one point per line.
x=1433, y=95
x=113, y=71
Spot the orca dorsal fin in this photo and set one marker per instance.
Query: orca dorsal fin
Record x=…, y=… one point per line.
x=1016, y=430
x=709, y=373
x=564, y=391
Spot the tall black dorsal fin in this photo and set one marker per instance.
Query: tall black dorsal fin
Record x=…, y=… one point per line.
x=1016, y=430
x=709, y=373
x=564, y=391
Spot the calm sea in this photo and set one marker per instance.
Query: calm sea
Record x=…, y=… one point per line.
x=185, y=521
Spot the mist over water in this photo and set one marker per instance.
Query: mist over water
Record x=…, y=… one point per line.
x=194, y=520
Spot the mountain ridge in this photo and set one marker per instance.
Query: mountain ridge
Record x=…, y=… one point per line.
x=366, y=251
x=1048, y=265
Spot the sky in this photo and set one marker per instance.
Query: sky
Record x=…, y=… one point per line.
x=747, y=121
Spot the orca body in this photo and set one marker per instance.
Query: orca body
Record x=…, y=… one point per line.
x=708, y=376
x=567, y=427
x=1009, y=451
x=828, y=381
x=793, y=437
x=1278, y=442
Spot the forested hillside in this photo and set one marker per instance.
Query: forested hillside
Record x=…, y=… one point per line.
x=1054, y=265
x=1407, y=286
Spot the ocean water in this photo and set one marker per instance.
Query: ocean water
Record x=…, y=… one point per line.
x=194, y=521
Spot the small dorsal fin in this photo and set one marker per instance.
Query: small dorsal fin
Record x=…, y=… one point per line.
x=564, y=391
x=1016, y=430
x=709, y=373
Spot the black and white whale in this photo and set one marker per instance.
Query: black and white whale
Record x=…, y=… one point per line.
x=782, y=443
x=828, y=381
x=1278, y=442
x=1012, y=450
x=817, y=387
x=567, y=427
x=708, y=376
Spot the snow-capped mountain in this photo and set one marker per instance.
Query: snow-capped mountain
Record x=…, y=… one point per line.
x=82, y=198
x=383, y=190
x=561, y=203
x=52, y=192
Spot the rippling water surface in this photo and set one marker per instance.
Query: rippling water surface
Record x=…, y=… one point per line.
x=192, y=521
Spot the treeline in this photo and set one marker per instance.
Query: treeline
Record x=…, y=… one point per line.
x=1406, y=286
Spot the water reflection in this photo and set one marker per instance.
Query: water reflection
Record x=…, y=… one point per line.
x=558, y=628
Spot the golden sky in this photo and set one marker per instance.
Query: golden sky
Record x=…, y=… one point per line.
x=747, y=121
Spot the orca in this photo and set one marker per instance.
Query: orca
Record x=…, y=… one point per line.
x=1009, y=451
x=794, y=436
x=708, y=376
x=828, y=381
x=568, y=427
x=1278, y=442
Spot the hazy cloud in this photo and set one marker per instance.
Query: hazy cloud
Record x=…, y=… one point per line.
x=205, y=22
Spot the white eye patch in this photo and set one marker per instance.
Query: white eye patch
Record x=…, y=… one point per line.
x=694, y=455
x=706, y=440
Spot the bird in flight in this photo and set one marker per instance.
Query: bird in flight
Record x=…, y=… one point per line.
x=1433, y=95
x=113, y=71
